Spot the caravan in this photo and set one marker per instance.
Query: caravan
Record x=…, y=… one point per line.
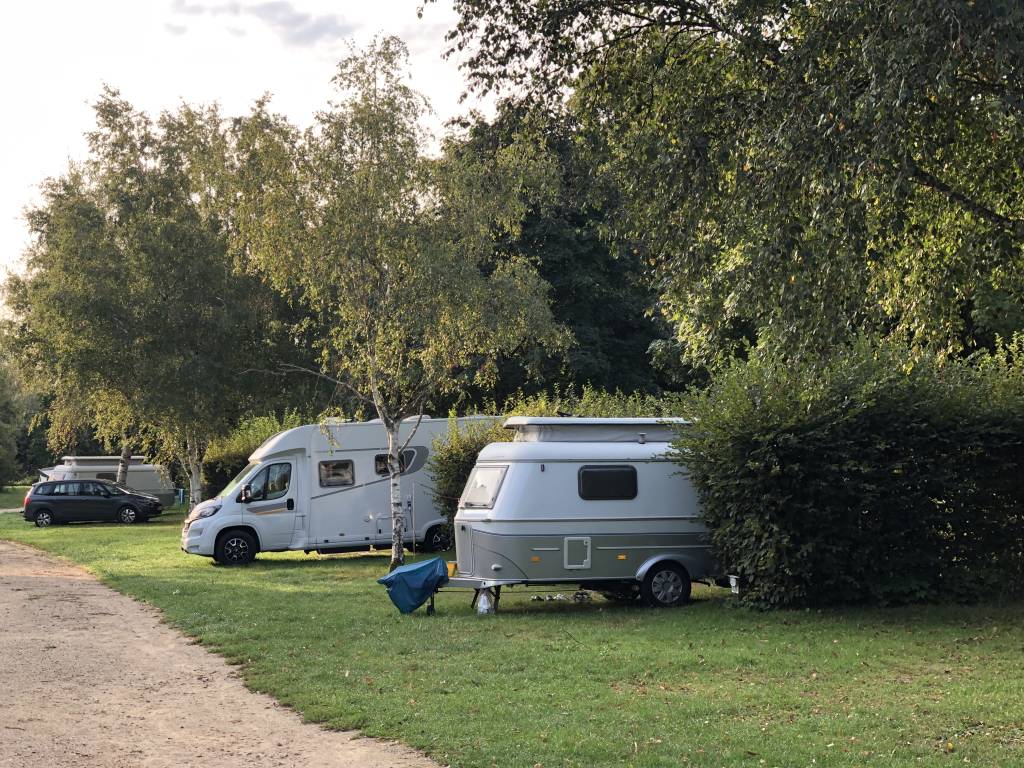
x=592, y=502
x=150, y=479
x=322, y=488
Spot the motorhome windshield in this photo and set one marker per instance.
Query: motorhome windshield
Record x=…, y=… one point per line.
x=236, y=480
x=482, y=487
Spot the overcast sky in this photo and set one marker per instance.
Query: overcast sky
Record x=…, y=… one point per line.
x=55, y=56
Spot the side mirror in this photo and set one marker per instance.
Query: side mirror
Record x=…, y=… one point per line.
x=246, y=495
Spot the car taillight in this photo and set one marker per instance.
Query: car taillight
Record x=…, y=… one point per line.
x=25, y=502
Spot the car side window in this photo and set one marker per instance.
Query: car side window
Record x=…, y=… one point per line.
x=44, y=490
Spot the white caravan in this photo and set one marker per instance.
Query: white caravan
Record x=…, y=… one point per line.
x=147, y=478
x=593, y=502
x=322, y=488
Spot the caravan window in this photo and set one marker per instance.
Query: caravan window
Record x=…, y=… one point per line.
x=607, y=483
x=111, y=476
x=338, y=472
x=380, y=462
x=482, y=487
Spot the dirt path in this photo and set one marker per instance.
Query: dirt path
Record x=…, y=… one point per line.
x=89, y=677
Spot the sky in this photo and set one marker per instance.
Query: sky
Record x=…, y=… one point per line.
x=56, y=56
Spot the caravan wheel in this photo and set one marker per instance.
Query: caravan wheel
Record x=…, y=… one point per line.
x=666, y=585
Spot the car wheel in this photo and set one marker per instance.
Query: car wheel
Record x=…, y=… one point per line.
x=235, y=548
x=666, y=585
x=127, y=515
x=438, y=539
x=43, y=519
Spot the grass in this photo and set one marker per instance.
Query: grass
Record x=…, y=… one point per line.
x=565, y=684
x=12, y=496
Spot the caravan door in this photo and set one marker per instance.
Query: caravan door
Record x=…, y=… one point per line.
x=271, y=506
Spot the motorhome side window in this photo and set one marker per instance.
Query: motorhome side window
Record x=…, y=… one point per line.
x=338, y=472
x=607, y=483
x=380, y=462
x=106, y=476
x=271, y=483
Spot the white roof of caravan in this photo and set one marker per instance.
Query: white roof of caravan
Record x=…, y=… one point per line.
x=556, y=429
x=590, y=452
x=104, y=460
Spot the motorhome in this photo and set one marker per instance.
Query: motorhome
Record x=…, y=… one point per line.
x=323, y=488
x=151, y=479
x=591, y=502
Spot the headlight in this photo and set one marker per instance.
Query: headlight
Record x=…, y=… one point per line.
x=208, y=512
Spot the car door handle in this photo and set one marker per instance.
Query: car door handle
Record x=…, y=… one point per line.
x=291, y=503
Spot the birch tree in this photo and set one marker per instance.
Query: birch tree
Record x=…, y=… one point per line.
x=130, y=309
x=392, y=249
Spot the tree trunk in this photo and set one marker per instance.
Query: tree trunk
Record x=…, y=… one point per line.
x=397, y=519
x=194, y=468
x=122, y=464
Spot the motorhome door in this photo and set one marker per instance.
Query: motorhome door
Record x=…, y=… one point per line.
x=272, y=505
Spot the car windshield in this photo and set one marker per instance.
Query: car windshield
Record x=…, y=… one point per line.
x=236, y=480
x=118, y=490
x=482, y=487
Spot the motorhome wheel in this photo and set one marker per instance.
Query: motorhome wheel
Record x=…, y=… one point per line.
x=666, y=585
x=438, y=539
x=127, y=515
x=43, y=518
x=235, y=548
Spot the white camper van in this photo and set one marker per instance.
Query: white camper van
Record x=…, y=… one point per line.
x=593, y=502
x=322, y=488
x=147, y=478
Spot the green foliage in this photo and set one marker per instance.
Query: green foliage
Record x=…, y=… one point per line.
x=130, y=311
x=228, y=454
x=874, y=476
x=795, y=173
x=454, y=455
x=598, y=292
x=12, y=423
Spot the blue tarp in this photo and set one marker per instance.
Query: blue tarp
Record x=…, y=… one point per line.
x=411, y=586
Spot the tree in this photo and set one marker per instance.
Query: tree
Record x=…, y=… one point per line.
x=390, y=248
x=130, y=309
x=795, y=172
x=598, y=289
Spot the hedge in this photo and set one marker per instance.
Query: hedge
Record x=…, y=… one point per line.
x=871, y=477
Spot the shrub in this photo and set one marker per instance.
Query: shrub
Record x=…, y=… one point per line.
x=453, y=456
x=227, y=456
x=870, y=477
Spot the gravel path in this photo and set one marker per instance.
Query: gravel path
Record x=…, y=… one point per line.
x=89, y=677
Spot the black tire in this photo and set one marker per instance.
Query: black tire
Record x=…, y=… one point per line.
x=666, y=585
x=128, y=515
x=438, y=539
x=235, y=548
x=44, y=518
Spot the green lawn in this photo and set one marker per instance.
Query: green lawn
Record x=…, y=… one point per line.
x=12, y=496
x=562, y=684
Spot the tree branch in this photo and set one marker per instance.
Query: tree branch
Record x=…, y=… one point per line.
x=1015, y=227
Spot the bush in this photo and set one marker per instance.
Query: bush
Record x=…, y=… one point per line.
x=453, y=456
x=871, y=477
x=227, y=456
